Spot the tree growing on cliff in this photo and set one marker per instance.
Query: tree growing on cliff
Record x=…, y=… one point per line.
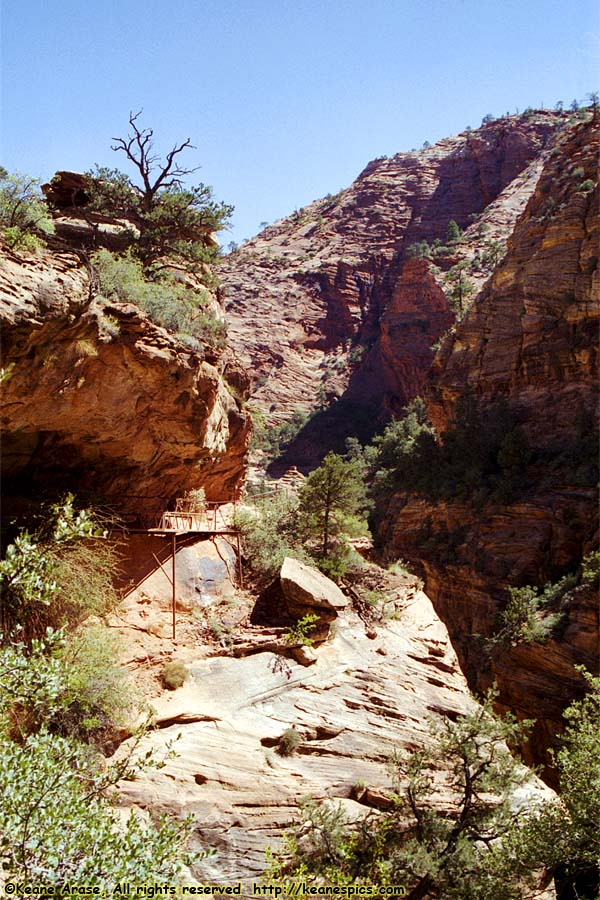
x=459, y=287
x=23, y=212
x=173, y=219
x=453, y=232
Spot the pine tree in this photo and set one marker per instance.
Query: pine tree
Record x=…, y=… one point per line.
x=333, y=491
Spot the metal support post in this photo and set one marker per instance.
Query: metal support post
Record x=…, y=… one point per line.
x=174, y=549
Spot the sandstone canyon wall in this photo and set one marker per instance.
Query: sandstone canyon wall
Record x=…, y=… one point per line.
x=327, y=310
x=101, y=401
x=529, y=340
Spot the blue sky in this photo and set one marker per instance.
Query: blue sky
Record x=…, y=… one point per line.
x=286, y=101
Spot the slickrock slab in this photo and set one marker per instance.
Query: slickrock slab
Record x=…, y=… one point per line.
x=351, y=709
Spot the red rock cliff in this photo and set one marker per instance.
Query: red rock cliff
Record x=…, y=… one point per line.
x=319, y=305
x=102, y=401
x=530, y=339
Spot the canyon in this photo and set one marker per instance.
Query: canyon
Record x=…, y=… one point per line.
x=340, y=314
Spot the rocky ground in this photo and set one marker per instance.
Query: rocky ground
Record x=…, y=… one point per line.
x=366, y=690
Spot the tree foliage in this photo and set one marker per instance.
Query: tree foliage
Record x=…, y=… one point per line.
x=331, y=498
x=23, y=212
x=57, y=826
x=60, y=574
x=175, y=306
x=59, y=694
x=483, y=453
x=459, y=825
x=174, y=220
x=314, y=526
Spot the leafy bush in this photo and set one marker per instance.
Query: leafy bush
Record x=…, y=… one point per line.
x=532, y=614
x=591, y=568
x=420, y=250
x=273, y=440
x=270, y=532
x=174, y=306
x=342, y=561
x=289, y=742
x=479, y=843
x=299, y=633
x=587, y=185
x=57, y=825
x=174, y=674
x=23, y=211
x=58, y=695
x=312, y=527
x=453, y=233
x=432, y=852
x=482, y=454
x=98, y=700
x=62, y=575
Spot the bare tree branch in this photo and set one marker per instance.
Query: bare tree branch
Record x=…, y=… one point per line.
x=138, y=148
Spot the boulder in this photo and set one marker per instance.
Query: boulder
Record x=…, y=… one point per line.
x=305, y=588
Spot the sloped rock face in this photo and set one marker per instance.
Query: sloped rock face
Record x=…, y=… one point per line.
x=320, y=305
x=531, y=340
x=103, y=402
x=362, y=699
x=532, y=333
x=415, y=317
x=307, y=588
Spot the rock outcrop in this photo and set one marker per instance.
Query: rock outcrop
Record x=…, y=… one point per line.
x=101, y=401
x=530, y=341
x=363, y=698
x=306, y=588
x=322, y=306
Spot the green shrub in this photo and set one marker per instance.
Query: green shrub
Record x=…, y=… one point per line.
x=57, y=825
x=58, y=576
x=420, y=250
x=453, y=233
x=23, y=212
x=270, y=532
x=273, y=440
x=99, y=700
x=174, y=306
x=483, y=452
x=174, y=674
x=532, y=614
x=289, y=742
x=299, y=633
x=587, y=185
x=591, y=567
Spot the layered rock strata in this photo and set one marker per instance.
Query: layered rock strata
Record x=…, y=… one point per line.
x=363, y=698
x=101, y=401
x=530, y=340
x=321, y=306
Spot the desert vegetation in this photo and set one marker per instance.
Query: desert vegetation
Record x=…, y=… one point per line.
x=480, y=842
x=63, y=701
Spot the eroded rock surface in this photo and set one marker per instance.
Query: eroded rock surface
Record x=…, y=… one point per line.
x=529, y=340
x=363, y=698
x=102, y=401
x=324, y=307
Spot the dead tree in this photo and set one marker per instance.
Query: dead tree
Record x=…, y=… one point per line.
x=139, y=150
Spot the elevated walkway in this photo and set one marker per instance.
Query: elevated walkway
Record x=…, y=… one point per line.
x=205, y=520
